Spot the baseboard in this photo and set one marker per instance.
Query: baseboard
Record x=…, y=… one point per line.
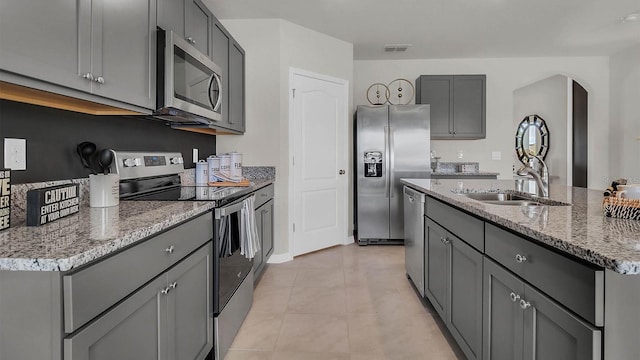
x=349, y=240
x=279, y=258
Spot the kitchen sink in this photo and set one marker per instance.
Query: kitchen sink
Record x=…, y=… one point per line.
x=512, y=199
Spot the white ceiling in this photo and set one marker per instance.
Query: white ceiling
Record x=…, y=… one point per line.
x=456, y=28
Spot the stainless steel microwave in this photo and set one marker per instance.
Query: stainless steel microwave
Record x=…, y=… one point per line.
x=189, y=86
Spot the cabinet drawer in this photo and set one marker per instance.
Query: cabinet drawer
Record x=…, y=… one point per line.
x=578, y=287
x=94, y=289
x=263, y=195
x=457, y=222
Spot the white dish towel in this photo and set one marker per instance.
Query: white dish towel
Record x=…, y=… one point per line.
x=249, y=238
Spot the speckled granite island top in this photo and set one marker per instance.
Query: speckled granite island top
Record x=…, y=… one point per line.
x=94, y=232
x=580, y=230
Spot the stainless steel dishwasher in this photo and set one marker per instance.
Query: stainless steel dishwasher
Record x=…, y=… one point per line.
x=414, y=237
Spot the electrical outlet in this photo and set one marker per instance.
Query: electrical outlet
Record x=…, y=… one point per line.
x=496, y=155
x=15, y=154
x=195, y=156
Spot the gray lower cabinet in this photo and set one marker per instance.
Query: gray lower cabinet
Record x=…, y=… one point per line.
x=98, y=46
x=454, y=286
x=264, y=221
x=458, y=105
x=169, y=318
x=522, y=323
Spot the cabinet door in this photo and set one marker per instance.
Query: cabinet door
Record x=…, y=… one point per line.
x=469, y=106
x=220, y=56
x=503, y=317
x=437, y=91
x=437, y=267
x=123, y=51
x=552, y=333
x=198, y=26
x=465, y=312
x=47, y=40
x=236, y=87
x=133, y=330
x=258, y=259
x=267, y=230
x=171, y=15
x=190, y=306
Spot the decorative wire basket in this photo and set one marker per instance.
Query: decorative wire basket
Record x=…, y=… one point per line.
x=622, y=208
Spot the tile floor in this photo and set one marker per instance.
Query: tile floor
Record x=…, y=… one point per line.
x=346, y=302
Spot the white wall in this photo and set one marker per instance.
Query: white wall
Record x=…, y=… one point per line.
x=625, y=114
x=272, y=46
x=504, y=75
x=547, y=98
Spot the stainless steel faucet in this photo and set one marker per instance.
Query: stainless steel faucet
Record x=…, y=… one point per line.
x=541, y=175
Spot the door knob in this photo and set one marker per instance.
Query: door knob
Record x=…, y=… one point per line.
x=341, y=172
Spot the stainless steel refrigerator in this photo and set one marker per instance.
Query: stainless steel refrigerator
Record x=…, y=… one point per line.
x=391, y=142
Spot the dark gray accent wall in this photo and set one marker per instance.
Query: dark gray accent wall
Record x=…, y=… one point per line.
x=580, y=133
x=52, y=136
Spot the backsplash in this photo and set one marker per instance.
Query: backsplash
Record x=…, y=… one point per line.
x=453, y=167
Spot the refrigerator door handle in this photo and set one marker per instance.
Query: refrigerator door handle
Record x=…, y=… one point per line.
x=387, y=173
x=391, y=160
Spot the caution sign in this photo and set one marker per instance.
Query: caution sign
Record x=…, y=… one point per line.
x=5, y=198
x=51, y=203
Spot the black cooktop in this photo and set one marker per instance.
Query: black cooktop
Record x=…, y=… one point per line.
x=188, y=193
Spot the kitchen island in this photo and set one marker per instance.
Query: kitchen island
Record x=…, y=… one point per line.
x=565, y=275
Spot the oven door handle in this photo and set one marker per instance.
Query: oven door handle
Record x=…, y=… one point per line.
x=230, y=209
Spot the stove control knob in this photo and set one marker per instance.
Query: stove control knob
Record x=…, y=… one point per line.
x=177, y=160
x=131, y=162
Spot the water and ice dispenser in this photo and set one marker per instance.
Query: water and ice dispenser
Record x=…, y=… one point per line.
x=372, y=164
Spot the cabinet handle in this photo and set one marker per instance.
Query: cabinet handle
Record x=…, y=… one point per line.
x=88, y=76
x=99, y=80
x=170, y=249
x=524, y=304
x=165, y=291
x=264, y=195
x=445, y=240
x=190, y=40
x=520, y=258
x=514, y=297
x=173, y=285
x=411, y=199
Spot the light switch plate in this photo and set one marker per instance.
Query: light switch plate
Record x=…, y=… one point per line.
x=496, y=155
x=15, y=154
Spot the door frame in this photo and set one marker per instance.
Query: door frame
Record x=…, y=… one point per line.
x=293, y=149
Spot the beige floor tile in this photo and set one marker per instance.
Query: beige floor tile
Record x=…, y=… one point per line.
x=315, y=277
x=309, y=356
x=258, y=332
x=397, y=302
x=367, y=357
x=331, y=259
x=248, y=355
x=271, y=299
x=278, y=276
x=317, y=301
x=361, y=300
x=365, y=334
x=313, y=333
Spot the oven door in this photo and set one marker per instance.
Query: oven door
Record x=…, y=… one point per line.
x=192, y=83
x=230, y=268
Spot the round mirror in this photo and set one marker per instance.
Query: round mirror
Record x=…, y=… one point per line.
x=532, y=138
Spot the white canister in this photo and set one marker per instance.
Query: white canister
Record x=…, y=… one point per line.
x=236, y=166
x=202, y=173
x=214, y=168
x=104, y=190
x=225, y=165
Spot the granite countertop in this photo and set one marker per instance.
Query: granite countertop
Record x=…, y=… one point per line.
x=478, y=173
x=580, y=230
x=95, y=232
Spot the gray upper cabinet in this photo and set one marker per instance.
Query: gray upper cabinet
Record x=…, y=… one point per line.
x=236, y=87
x=123, y=51
x=50, y=55
x=190, y=19
x=96, y=46
x=522, y=323
x=221, y=41
x=458, y=105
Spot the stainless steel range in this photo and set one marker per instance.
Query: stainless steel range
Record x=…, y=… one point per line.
x=155, y=176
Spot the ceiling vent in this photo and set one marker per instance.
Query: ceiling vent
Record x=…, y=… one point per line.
x=396, y=47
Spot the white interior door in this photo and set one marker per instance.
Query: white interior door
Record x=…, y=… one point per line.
x=318, y=134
